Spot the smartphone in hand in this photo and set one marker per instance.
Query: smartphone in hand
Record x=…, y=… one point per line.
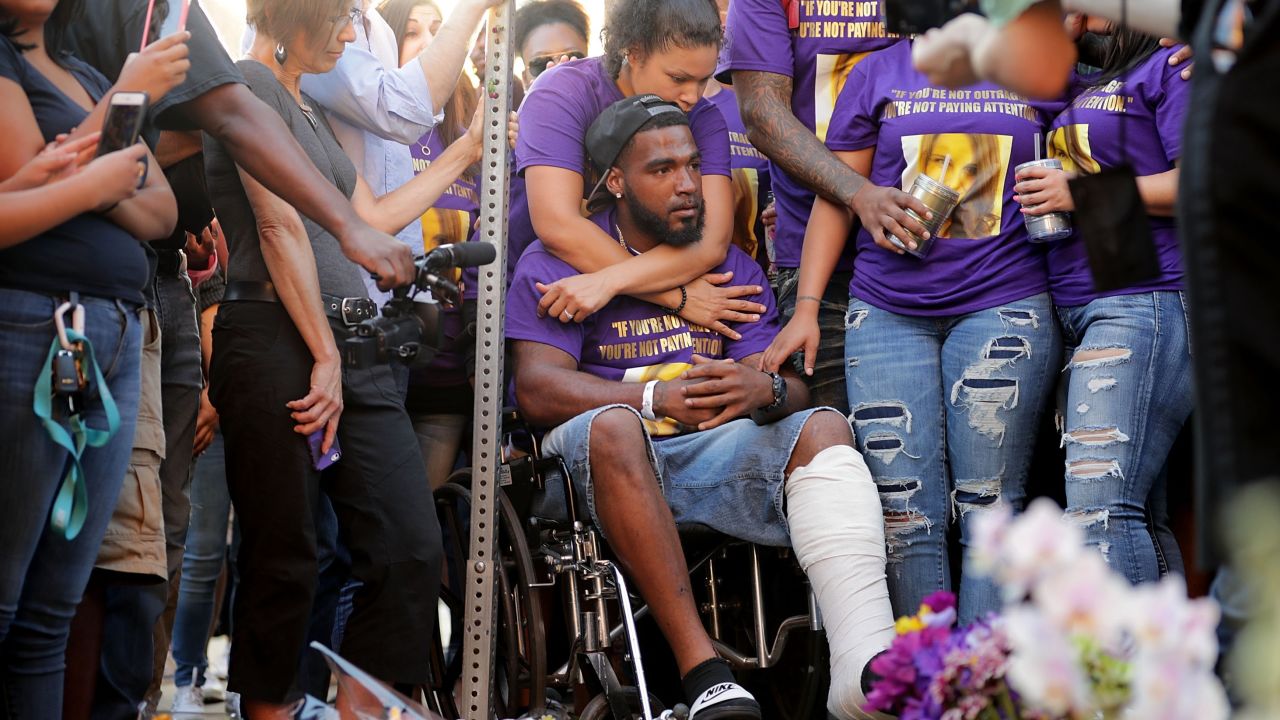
x=123, y=123
x=174, y=22
x=322, y=460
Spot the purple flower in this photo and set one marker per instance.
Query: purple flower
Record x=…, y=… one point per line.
x=940, y=601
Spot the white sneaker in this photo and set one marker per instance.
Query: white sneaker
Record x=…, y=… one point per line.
x=189, y=699
x=215, y=690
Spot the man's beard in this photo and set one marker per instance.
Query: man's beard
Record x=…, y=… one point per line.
x=653, y=225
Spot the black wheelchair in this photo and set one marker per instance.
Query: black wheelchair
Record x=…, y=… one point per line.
x=569, y=635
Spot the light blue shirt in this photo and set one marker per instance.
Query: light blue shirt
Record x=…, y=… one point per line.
x=377, y=110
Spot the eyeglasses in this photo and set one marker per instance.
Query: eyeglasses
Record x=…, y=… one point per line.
x=538, y=65
x=340, y=22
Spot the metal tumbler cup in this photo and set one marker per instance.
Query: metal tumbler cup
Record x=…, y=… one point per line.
x=1050, y=227
x=941, y=201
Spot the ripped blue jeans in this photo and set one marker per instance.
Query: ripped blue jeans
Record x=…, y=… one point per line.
x=1128, y=394
x=945, y=410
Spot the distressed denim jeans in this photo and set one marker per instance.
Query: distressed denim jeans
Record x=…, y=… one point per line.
x=1128, y=394
x=945, y=410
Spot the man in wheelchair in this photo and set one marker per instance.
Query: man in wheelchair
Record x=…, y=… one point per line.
x=662, y=423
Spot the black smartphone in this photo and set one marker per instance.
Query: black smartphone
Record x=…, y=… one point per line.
x=914, y=17
x=123, y=123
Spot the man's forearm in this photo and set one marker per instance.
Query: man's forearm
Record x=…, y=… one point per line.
x=259, y=142
x=765, y=101
x=551, y=396
x=1154, y=17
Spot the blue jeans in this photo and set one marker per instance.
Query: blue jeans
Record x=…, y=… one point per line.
x=42, y=575
x=1128, y=395
x=826, y=386
x=945, y=410
x=729, y=478
x=201, y=565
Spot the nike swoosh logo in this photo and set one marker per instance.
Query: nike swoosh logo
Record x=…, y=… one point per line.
x=717, y=690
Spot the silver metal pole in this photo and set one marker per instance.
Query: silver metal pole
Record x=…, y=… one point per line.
x=479, y=642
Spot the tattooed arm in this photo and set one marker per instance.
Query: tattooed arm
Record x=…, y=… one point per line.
x=765, y=101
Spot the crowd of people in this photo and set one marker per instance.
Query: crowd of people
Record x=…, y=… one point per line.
x=772, y=270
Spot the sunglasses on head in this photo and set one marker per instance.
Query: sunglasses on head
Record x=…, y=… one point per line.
x=538, y=65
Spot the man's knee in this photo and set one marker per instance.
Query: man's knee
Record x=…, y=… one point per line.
x=616, y=432
x=823, y=429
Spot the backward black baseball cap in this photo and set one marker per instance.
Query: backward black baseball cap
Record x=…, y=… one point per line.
x=615, y=127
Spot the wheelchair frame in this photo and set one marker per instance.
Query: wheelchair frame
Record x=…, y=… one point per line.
x=599, y=617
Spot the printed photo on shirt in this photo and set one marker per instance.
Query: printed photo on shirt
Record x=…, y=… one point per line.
x=972, y=164
x=746, y=210
x=1070, y=144
x=832, y=73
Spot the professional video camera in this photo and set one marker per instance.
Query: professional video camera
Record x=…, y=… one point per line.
x=914, y=17
x=409, y=331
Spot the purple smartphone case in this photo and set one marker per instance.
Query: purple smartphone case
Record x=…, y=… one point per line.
x=322, y=461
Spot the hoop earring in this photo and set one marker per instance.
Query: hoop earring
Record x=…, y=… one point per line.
x=281, y=54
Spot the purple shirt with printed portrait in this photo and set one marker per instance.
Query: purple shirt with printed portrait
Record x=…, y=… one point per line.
x=631, y=340
x=554, y=118
x=981, y=257
x=817, y=51
x=1149, y=102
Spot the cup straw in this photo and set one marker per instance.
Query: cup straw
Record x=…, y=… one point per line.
x=946, y=163
x=1037, y=146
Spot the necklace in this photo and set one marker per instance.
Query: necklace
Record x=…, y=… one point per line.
x=310, y=116
x=623, y=241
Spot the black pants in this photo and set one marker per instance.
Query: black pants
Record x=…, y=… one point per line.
x=378, y=490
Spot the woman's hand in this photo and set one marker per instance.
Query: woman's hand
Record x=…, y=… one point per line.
x=801, y=332
x=475, y=133
x=712, y=302
x=574, y=299
x=58, y=159
x=1182, y=56
x=159, y=68
x=883, y=211
x=114, y=177
x=322, y=406
x=1041, y=190
x=206, y=424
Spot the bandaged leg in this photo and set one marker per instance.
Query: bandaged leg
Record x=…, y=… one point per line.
x=837, y=530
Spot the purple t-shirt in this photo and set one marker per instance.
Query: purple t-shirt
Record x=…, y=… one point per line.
x=1150, y=101
x=554, y=119
x=981, y=257
x=750, y=182
x=818, y=53
x=451, y=220
x=631, y=340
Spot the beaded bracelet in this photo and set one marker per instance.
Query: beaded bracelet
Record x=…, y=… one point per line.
x=684, y=298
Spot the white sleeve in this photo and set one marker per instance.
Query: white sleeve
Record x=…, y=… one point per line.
x=392, y=103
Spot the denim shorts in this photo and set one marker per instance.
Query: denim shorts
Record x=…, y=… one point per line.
x=728, y=479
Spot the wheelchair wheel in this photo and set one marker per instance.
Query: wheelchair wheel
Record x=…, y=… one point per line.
x=598, y=708
x=520, y=662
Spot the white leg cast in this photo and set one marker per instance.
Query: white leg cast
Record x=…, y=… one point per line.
x=837, y=530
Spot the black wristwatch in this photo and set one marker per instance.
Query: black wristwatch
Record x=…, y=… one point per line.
x=764, y=415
